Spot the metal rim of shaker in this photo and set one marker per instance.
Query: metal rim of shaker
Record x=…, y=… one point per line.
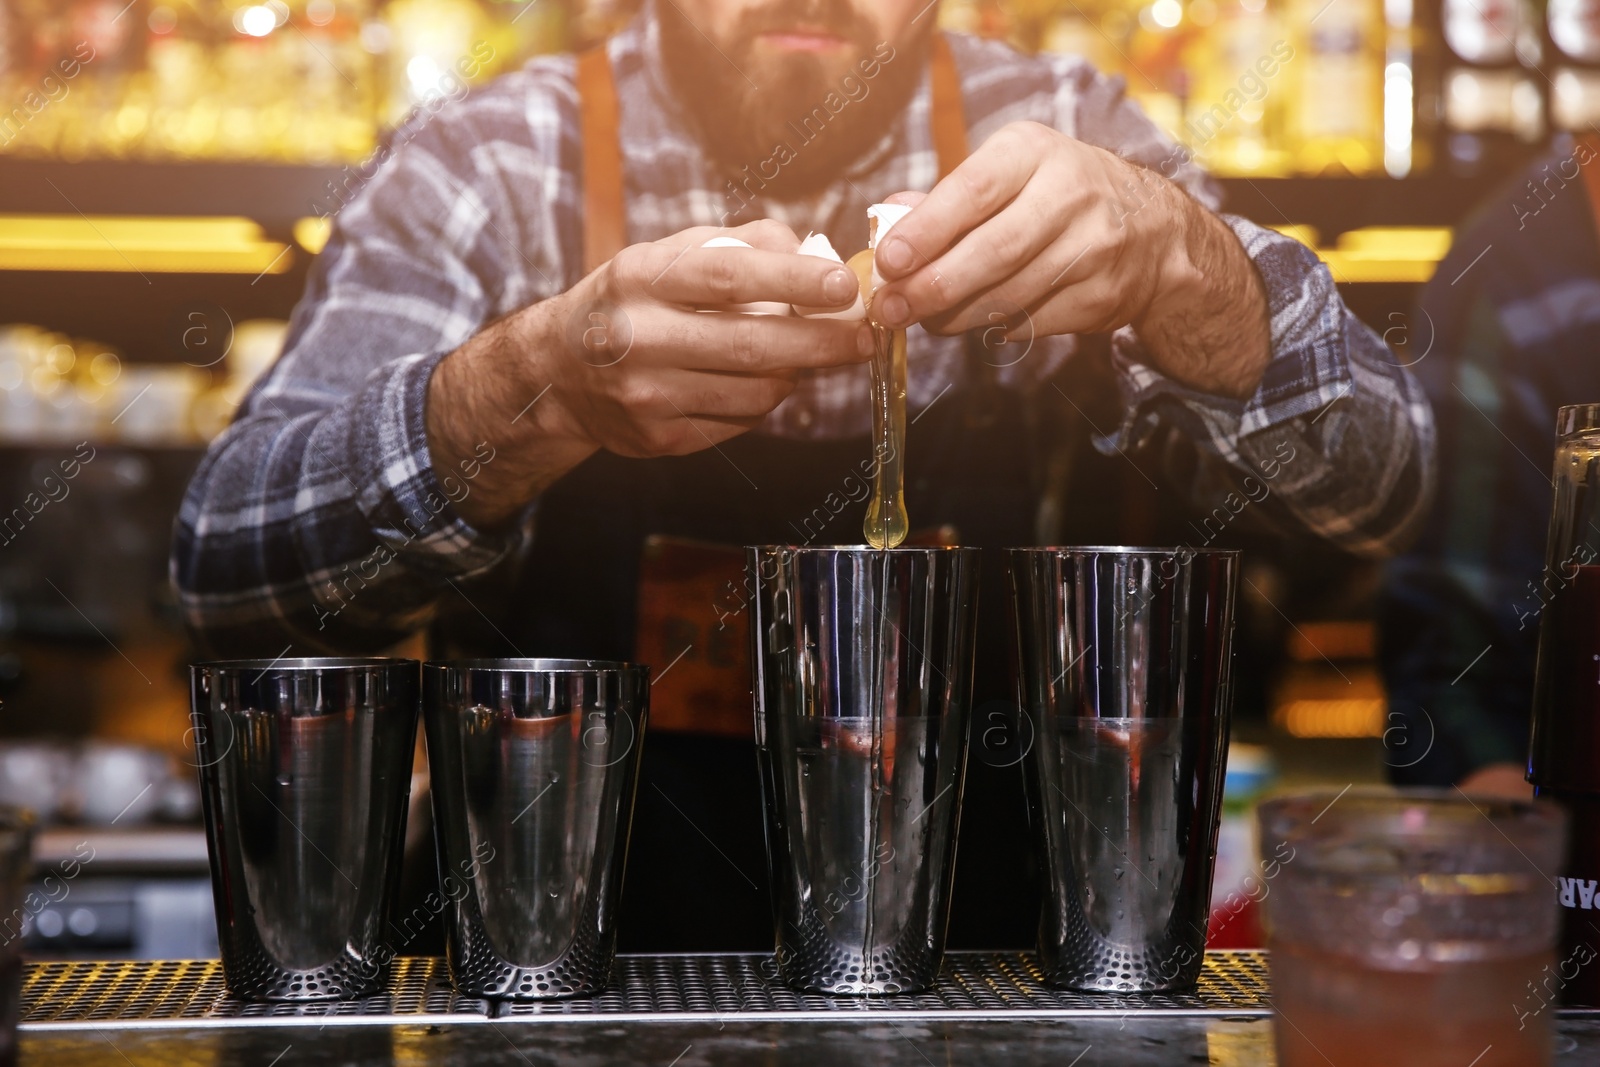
x=304, y=663
x=537, y=665
x=926, y=550
x=1117, y=550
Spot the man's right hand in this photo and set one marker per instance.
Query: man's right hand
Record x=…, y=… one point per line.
x=627, y=360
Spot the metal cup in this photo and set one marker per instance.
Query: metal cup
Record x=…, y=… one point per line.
x=1124, y=674
x=534, y=765
x=17, y=826
x=305, y=770
x=863, y=679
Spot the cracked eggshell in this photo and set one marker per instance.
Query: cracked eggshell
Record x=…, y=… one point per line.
x=881, y=218
x=757, y=307
x=817, y=244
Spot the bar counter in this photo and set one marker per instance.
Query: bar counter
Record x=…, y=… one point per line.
x=673, y=1011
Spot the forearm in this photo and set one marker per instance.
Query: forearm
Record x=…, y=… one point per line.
x=1338, y=432
x=498, y=387
x=1207, y=327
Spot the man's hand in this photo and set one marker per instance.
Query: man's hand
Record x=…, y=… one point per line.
x=628, y=360
x=1082, y=242
x=1498, y=780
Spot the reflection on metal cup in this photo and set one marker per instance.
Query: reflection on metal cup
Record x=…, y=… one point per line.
x=863, y=669
x=1124, y=667
x=534, y=765
x=305, y=770
x=17, y=826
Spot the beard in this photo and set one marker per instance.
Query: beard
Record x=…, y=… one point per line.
x=798, y=120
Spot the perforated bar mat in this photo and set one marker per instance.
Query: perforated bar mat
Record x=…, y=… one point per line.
x=146, y=993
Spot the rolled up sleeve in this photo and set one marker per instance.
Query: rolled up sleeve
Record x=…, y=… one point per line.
x=327, y=527
x=1339, y=426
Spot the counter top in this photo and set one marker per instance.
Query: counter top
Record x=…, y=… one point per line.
x=1113, y=1041
x=670, y=1011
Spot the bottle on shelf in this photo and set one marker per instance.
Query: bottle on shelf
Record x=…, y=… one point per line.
x=1338, y=110
x=1243, y=77
x=1491, y=106
x=1573, y=38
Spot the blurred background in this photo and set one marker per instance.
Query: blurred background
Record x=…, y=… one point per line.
x=167, y=172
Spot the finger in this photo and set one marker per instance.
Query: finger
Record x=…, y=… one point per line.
x=730, y=342
x=1069, y=260
x=711, y=277
x=1005, y=246
x=736, y=397
x=985, y=182
x=676, y=434
x=767, y=234
x=1095, y=305
x=909, y=198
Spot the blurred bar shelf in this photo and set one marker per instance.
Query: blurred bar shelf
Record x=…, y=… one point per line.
x=114, y=851
x=136, y=244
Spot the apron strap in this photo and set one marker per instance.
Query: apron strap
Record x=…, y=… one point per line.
x=949, y=114
x=604, y=209
x=599, y=123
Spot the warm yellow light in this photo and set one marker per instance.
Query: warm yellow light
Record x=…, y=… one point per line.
x=1166, y=13
x=1394, y=254
x=1302, y=232
x=1331, y=639
x=312, y=233
x=203, y=245
x=1346, y=717
x=257, y=21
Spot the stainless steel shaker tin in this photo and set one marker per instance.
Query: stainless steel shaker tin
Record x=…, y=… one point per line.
x=534, y=765
x=862, y=663
x=1123, y=662
x=305, y=771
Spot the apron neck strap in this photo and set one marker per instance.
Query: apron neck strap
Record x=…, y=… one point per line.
x=604, y=206
x=600, y=127
x=949, y=114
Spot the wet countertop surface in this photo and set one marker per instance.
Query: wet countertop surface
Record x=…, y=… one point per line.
x=1134, y=1040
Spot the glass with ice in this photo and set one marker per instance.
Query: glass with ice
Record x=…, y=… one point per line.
x=1415, y=927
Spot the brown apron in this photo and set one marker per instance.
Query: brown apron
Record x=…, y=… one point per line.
x=630, y=559
x=680, y=579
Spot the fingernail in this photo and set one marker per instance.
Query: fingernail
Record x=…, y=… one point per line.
x=840, y=287
x=865, y=343
x=894, y=253
x=892, y=310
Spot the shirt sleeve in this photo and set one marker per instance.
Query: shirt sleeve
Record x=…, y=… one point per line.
x=318, y=521
x=1340, y=429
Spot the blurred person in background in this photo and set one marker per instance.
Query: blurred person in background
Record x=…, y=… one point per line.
x=1507, y=331
x=499, y=384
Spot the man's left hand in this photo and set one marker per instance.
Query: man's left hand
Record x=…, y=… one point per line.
x=1039, y=226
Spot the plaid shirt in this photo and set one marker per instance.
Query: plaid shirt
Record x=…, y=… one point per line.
x=1505, y=334
x=317, y=518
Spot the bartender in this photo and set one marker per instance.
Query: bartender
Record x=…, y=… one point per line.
x=505, y=416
